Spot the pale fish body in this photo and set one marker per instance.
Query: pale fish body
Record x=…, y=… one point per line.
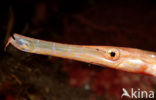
x=122, y=58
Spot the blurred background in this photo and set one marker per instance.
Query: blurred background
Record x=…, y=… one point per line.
x=25, y=76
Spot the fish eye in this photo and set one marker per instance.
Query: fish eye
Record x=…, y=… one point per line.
x=113, y=54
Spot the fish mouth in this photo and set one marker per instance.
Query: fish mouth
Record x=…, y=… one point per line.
x=9, y=41
x=13, y=37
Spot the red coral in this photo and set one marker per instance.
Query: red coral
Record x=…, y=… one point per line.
x=7, y=90
x=78, y=75
x=107, y=81
x=9, y=97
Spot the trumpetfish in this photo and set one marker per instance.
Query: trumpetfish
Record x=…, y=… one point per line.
x=121, y=58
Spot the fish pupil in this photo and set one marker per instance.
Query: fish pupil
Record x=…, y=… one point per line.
x=112, y=54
